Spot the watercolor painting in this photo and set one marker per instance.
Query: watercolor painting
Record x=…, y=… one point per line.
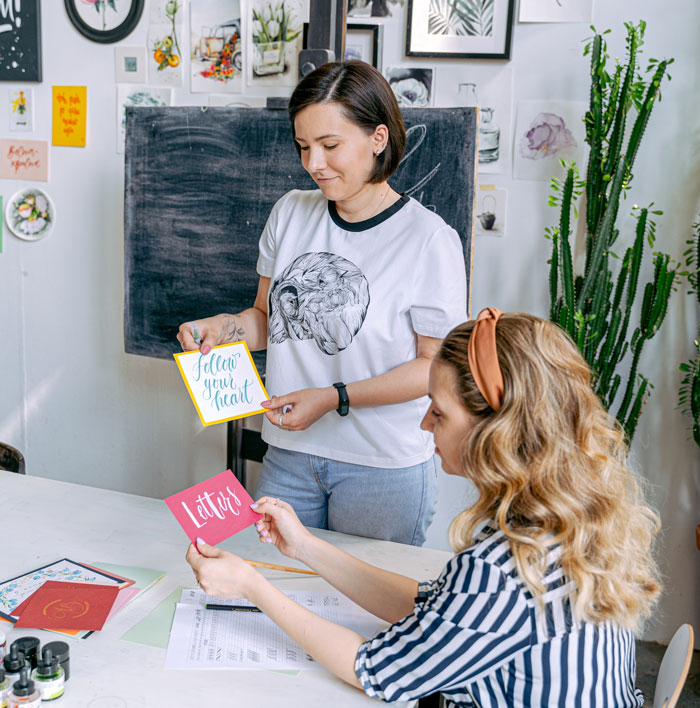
x=20, y=41
x=164, y=38
x=216, y=46
x=413, y=86
x=491, y=90
x=375, y=8
x=30, y=214
x=491, y=205
x=21, y=110
x=556, y=10
x=547, y=132
x=130, y=65
x=128, y=95
x=275, y=37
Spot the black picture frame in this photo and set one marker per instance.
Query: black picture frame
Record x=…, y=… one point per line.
x=413, y=50
x=377, y=36
x=111, y=35
x=21, y=46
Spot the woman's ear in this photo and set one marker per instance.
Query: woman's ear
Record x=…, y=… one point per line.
x=380, y=138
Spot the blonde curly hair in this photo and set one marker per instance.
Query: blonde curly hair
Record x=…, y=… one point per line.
x=551, y=467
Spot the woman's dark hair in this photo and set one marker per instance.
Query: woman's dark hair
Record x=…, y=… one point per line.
x=366, y=99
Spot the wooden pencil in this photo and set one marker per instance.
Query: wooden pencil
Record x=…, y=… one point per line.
x=274, y=566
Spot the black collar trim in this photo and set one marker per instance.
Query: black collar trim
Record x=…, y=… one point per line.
x=368, y=223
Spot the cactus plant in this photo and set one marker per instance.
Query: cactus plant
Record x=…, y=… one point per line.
x=689, y=393
x=596, y=307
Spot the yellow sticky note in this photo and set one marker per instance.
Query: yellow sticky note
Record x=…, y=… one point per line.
x=69, y=115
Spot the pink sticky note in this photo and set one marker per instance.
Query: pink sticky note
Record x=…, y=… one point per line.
x=213, y=510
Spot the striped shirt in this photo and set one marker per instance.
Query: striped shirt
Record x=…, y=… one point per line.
x=478, y=636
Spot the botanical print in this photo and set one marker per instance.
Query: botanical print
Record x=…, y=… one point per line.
x=137, y=96
x=491, y=207
x=30, y=214
x=216, y=46
x=21, y=110
x=274, y=41
x=461, y=17
x=165, y=68
x=412, y=86
x=556, y=10
x=375, y=8
x=319, y=296
x=103, y=15
x=547, y=132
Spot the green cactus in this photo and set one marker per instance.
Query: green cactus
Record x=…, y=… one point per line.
x=689, y=393
x=596, y=307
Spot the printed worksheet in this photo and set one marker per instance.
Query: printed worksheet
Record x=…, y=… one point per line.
x=225, y=639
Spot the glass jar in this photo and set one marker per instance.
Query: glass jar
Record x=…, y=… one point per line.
x=268, y=58
x=466, y=95
x=489, y=137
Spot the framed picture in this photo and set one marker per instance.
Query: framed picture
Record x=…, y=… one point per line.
x=20, y=41
x=130, y=65
x=469, y=29
x=364, y=42
x=104, y=21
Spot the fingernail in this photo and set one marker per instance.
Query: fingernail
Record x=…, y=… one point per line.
x=205, y=349
x=268, y=540
x=201, y=541
x=258, y=526
x=254, y=506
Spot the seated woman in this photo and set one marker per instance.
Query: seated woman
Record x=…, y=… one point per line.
x=553, y=570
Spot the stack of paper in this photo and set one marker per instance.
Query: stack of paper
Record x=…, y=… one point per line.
x=69, y=597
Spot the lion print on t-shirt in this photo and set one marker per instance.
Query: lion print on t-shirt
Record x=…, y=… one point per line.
x=319, y=296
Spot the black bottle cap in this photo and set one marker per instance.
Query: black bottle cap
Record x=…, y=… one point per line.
x=61, y=651
x=48, y=664
x=25, y=686
x=29, y=646
x=14, y=661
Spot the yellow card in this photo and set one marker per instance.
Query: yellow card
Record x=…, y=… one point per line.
x=69, y=116
x=224, y=384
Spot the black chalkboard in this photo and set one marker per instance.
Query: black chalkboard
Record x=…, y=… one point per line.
x=200, y=183
x=20, y=41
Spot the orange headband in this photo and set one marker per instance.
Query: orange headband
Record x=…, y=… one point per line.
x=483, y=357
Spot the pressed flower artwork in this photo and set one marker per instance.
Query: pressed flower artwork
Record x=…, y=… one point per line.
x=413, y=87
x=275, y=37
x=21, y=110
x=216, y=46
x=164, y=43
x=547, y=132
x=30, y=214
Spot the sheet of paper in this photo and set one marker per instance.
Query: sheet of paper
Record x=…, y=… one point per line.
x=62, y=605
x=69, y=116
x=224, y=384
x=221, y=639
x=213, y=510
x=24, y=159
x=154, y=629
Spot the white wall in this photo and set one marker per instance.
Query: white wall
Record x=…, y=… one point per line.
x=83, y=411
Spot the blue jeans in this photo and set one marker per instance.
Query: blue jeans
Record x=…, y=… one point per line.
x=388, y=504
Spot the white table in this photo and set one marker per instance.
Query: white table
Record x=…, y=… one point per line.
x=44, y=520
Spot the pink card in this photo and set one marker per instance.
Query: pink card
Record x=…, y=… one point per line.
x=24, y=159
x=213, y=510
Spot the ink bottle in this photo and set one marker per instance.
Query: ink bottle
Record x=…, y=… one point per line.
x=13, y=663
x=29, y=646
x=49, y=676
x=3, y=645
x=5, y=684
x=24, y=694
x=62, y=652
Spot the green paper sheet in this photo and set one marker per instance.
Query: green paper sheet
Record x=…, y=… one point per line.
x=154, y=629
x=143, y=577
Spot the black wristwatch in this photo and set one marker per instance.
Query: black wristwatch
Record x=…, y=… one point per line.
x=343, y=400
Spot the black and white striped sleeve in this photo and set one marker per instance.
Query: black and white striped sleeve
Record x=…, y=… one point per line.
x=475, y=619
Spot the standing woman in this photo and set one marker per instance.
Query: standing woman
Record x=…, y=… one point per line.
x=358, y=285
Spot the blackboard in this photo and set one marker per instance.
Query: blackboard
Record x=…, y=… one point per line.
x=20, y=41
x=200, y=183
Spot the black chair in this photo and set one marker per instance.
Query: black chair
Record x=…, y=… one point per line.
x=11, y=459
x=242, y=444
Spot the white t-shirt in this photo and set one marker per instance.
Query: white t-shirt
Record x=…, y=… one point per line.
x=345, y=302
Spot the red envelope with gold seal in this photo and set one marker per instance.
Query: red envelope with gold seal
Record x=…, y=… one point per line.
x=61, y=605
